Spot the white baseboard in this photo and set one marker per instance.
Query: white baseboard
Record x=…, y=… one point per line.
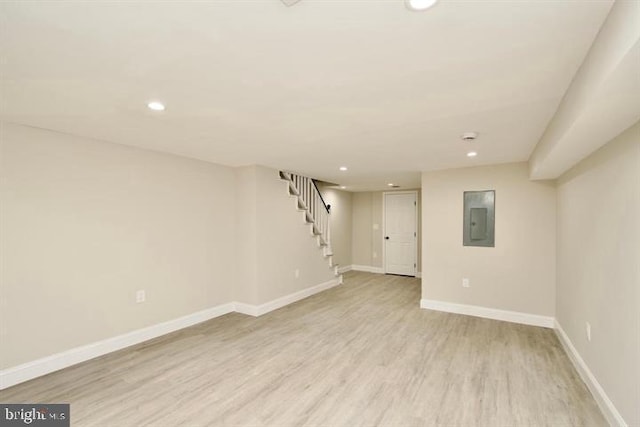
x=46, y=365
x=259, y=310
x=368, y=269
x=344, y=269
x=606, y=405
x=371, y=269
x=248, y=309
x=27, y=371
x=489, y=313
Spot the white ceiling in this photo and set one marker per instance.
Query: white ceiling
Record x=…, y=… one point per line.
x=308, y=88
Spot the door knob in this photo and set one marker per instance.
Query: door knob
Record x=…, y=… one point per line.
x=386, y=237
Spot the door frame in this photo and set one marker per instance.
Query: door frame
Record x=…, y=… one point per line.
x=384, y=229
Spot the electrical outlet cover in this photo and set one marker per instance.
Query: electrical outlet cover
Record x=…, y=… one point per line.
x=140, y=296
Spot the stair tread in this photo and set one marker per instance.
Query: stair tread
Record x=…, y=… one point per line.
x=301, y=206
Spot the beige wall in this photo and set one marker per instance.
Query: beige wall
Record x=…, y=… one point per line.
x=362, y=223
x=245, y=285
x=598, y=278
x=86, y=224
x=376, y=235
x=283, y=242
x=518, y=274
x=341, y=223
x=367, y=241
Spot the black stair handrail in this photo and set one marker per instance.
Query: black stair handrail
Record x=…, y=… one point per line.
x=326, y=206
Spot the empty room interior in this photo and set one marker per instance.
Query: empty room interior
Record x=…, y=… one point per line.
x=320, y=213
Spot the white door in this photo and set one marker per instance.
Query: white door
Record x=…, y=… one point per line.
x=400, y=233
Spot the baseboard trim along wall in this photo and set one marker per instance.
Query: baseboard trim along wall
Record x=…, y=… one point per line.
x=368, y=269
x=488, y=313
x=344, y=269
x=46, y=365
x=55, y=362
x=606, y=405
x=259, y=310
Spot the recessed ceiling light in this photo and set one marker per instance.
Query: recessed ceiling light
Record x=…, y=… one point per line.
x=343, y=168
x=419, y=4
x=156, y=106
x=391, y=184
x=342, y=187
x=472, y=154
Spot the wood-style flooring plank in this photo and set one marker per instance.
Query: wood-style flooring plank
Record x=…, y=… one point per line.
x=360, y=354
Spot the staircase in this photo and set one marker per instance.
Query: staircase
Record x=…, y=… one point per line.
x=315, y=212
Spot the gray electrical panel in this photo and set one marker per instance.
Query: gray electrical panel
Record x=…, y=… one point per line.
x=479, y=218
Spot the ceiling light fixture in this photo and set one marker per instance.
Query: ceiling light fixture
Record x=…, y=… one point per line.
x=343, y=168
x=390, y=184
x=342, y=187
x=472, y=154
x=419, y=5
x=156, y=106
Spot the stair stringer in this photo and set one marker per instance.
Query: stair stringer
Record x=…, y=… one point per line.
x=307, y=218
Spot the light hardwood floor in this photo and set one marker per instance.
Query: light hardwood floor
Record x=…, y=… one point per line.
x=360, y=354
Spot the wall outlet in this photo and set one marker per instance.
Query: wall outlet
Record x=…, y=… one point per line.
x=297, y=273
x=587, y=329
x=141, y=296
x=375, y=254
x=465, y=282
